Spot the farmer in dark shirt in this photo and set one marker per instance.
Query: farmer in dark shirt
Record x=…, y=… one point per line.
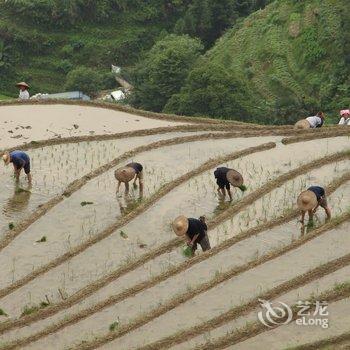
x=226, y=177
x=193, y=230
x=129, y=172
x=310, y=200
x=20, y=160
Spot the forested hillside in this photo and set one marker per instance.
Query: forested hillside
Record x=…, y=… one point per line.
x=285, y=61
x=41, y=41
x=265, y=61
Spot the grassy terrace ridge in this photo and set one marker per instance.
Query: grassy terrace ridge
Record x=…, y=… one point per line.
x=77, y=184
x=327, y=343
x=184, y=297
x=168, y=306
x=130, y=216
x=236, y=312
x=129, y=109
x=4, y=98
x=338, y=292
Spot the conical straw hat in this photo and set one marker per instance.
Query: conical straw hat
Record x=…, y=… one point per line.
x=6, y=158
x=302, y=124
x=180, y=225
x=22, y=83
x=307, y=200
x=234, y=178
x=124, y=174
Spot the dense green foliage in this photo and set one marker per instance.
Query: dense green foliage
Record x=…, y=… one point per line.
x=283, y=62
x=84, y=79
x=275, y=64
x=163, y=71
x=42, y=40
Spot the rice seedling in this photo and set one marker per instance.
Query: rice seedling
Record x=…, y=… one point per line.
x=187, y=251
x=113, y=326
x=11, y=225
x=3, y=313
x=42, y=239
x=123, y=235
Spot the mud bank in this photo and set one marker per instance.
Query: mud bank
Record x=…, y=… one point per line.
x=123, y=220
x=244, y=308
x=180, y=299
x=76, y=185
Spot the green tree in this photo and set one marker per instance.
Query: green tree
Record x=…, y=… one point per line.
x=5, y=55
x=210, y=90
x=84, y=79
x=163, y=71
x=208, y=19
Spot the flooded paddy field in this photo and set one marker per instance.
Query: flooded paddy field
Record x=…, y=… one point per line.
x=54, y=167
x=266, y=242
x=110, y=273
x=67, y=230
x=22, y=123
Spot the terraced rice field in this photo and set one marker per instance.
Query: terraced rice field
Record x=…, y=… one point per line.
x=111, y=274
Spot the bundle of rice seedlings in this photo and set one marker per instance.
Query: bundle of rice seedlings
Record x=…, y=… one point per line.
x=243, y=188
x=83, y=204
x=187, y=251
x=3, y=313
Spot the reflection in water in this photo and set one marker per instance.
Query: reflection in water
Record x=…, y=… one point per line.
x=18, y=202
x=128, y=203
x=311, y=225
x=223, y=205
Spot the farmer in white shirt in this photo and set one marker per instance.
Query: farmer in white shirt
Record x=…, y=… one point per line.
x=316, y=121
x=345, y=117
x=23, y=91
x=311, y=122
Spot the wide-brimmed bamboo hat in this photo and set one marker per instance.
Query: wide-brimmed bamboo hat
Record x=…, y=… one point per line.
x=302, y=124
x=234, y=178
x=307, y=200
x=125, y=174
x=22, y=83
x=180, y=225
x=6, y=158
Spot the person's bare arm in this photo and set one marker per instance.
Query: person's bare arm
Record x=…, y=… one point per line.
x=191, y=243
x=302, y=220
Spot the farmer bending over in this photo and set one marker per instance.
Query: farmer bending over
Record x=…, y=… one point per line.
x=194, y=232
x=129, y=172
x=316, y=121
x=226, y=177
x=313, y=122
x=20, y=160
x=310, y=200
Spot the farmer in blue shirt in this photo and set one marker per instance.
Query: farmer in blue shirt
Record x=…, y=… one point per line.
x=20, y=160
x=310, y=200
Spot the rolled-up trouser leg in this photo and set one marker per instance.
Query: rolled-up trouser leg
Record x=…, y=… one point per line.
x=204, y=243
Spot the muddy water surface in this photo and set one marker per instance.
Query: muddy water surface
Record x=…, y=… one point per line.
x=197, y=274
x=54, y=167
x=316, y=287
x=70, y=223
x=20, y=124
x=294, y=335
x=245, y=286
